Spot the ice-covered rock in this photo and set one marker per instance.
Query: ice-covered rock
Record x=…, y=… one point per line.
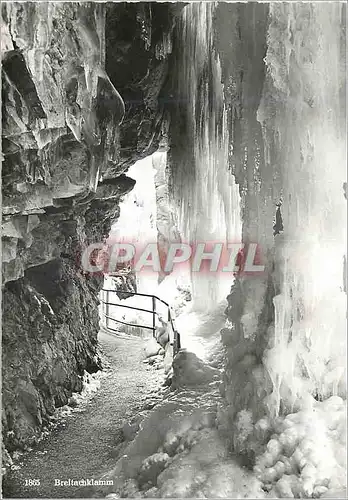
x=152, y=467
x=305, y=457
x=189, y=370
x=129, y=429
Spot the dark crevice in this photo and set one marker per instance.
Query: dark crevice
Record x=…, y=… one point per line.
x=278, y=226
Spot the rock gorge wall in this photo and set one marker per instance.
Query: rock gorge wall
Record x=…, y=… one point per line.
x=81, y=94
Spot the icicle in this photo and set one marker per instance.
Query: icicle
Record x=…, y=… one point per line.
x=207, y=196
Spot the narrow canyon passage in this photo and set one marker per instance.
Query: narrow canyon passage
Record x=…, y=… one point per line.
x=86, y=444
x=174, y=172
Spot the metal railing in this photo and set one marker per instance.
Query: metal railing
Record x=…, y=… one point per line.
x=176, y=335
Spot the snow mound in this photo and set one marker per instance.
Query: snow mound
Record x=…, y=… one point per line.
x=189, y=370
x=306, y=455
x=204, y=470
x=152, y=348
x=151, y=467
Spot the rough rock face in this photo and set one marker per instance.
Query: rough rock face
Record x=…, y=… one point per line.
x=48, y=342
x=60, y=121
x=138, y=46
x=65, y=150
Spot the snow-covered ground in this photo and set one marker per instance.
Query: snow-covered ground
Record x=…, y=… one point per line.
x=179, y=451
x=200, y=332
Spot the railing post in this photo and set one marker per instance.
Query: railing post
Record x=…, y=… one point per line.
x=170, y=326
x=154, y=316
x=107, y=309
x=178, y=342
